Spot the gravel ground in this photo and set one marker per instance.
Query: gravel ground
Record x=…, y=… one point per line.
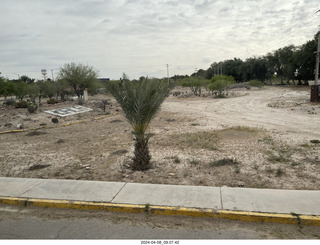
x=259, y=138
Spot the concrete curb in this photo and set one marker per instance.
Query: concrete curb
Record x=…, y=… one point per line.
x=58, y=126
x=166, y=210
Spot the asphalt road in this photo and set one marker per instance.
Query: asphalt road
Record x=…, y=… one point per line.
x=46, y=223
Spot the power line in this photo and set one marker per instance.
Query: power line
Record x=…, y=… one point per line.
x=285, y=36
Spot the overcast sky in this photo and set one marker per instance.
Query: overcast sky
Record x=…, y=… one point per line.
x=139, y=37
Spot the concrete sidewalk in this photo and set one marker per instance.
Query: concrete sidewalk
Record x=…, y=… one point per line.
x=284, y=206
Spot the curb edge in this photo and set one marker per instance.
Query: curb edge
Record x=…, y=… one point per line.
x=167, y=210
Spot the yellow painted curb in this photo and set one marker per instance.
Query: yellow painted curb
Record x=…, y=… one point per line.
x=14, y=201
x=238, y=215
x=165, y=210
x=86, y=205
x=12, y=131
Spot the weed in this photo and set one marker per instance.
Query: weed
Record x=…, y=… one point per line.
x=280, y=158
x=200, y=140
x=298, y=218
x=223, y=162
x=103, y=105
x=60, y=141
x=315, y=141
x=170, y=120
x=194, y=161
x=305, y=145
x=243, y=129
x=293, y=164
x=279, y=172
x=146, y=207
x=8, y=125
x=236, y=169
x=267, y=140
x=269, y=169
x=176, y=159
x=116, y=121
x=34, y=133
x=38, y=166
x=119, y=152
x=255, y=166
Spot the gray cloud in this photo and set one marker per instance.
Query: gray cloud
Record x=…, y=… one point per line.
x=140, y=37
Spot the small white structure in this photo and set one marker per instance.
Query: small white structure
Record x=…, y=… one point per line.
x=85, y=95
x=69, y=111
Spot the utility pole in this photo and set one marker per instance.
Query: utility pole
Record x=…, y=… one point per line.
x=168, y=73
x=317, y=63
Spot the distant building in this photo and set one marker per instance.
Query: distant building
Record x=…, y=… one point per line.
x=104, y=79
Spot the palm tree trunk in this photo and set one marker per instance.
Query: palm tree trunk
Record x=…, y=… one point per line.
x=141, y=160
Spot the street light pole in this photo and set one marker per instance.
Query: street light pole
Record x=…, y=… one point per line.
x=317, y=63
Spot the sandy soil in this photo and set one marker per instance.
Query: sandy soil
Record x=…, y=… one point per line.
x=257, y=138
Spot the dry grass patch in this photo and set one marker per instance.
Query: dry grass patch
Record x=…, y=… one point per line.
x=209, y=140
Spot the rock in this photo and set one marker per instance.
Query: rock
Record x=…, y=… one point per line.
x=20, y=126
x=87, y=168
x=240, y=184
x=171, y=174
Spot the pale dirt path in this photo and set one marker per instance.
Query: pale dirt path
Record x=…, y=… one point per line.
x=291, y=123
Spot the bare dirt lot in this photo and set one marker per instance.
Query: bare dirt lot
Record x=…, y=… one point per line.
x=259, y=138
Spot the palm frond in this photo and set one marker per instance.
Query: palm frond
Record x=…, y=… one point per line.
x=140, y=101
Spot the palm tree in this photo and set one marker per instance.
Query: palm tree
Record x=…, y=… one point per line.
x=140, y=103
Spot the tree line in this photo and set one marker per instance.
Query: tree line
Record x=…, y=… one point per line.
x=290, y=63
x=72, y=80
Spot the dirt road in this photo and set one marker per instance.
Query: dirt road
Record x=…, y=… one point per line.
x=281, y=110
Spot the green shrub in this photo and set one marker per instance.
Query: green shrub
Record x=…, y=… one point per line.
x=52, y=101
x=55, y=120
x=219, y=84
x=21, y=104
x=194, y=83
x=255, y=83
x=9, y=102
x=32, y=107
